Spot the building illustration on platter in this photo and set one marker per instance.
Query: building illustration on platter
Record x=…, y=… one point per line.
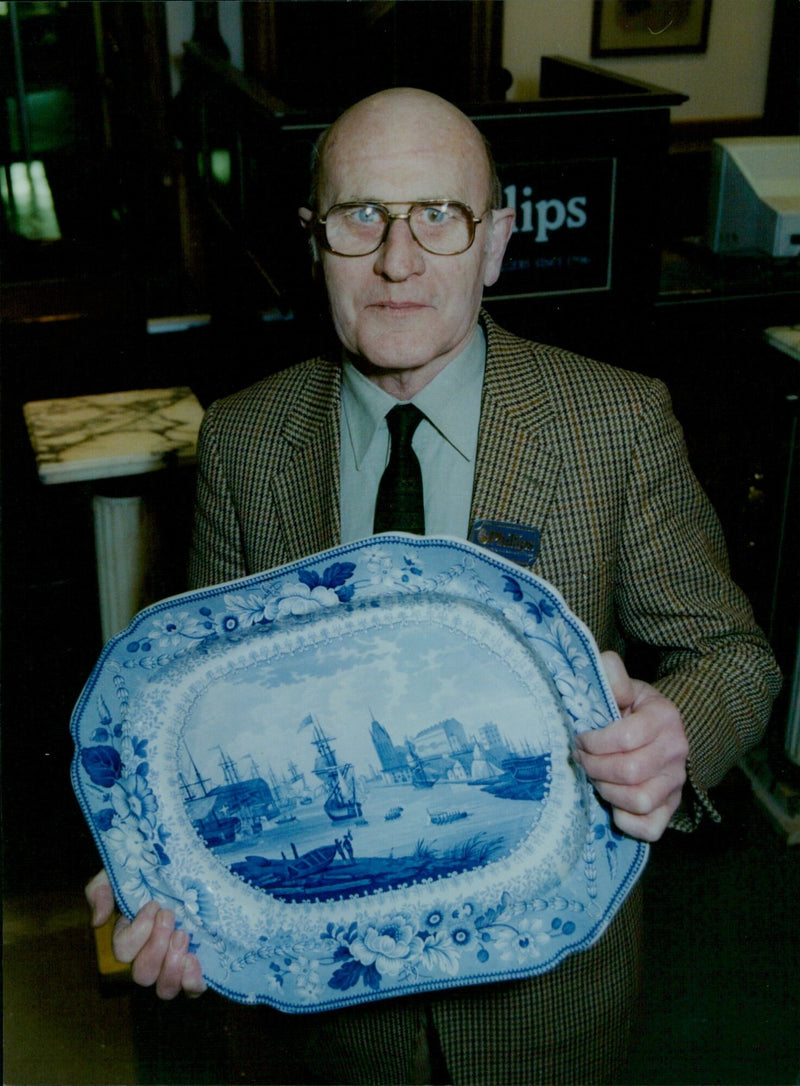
x=444, y=752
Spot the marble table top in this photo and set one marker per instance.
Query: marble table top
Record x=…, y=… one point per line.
x=117, y=433
x=785, y=338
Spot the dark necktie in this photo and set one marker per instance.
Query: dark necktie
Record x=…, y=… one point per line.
x=399, y=506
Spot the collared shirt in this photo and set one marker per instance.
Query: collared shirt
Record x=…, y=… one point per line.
x=445, y=442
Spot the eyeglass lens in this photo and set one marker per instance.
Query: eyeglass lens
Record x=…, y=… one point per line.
x=358, y=229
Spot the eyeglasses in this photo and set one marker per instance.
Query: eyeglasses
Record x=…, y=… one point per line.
x=442, y=227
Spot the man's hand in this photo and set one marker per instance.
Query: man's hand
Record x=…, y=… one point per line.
x=638, y=763
x=158, y=953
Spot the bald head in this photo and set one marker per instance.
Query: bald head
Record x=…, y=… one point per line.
x=402, y=121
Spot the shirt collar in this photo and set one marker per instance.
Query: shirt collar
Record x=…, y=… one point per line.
x=442, y=401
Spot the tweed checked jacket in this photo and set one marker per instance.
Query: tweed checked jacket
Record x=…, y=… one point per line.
x=593, y=457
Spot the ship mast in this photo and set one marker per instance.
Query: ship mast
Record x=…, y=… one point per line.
x=228, y=767
x=202, y=782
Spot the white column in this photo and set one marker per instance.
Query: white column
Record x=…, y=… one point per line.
x=122, y=535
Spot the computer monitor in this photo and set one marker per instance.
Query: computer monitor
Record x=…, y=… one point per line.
x=754, y=204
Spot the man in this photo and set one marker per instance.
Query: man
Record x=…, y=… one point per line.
x=406, y=224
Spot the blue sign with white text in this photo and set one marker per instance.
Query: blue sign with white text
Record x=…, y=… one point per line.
x=563, y=232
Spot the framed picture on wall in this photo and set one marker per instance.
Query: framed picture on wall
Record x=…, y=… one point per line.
x=637, y=27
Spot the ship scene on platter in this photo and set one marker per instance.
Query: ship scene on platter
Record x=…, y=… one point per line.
x=349, y=832
x=343, y=800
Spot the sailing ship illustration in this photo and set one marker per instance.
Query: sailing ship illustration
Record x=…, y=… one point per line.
x=420, y=777
x=295, y=782
x=482, y=771
x=214, y=829
x=525, y=776
x=223, y=813
x=341, y=802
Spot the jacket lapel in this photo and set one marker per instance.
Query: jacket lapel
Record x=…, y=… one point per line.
x=517, y=472
x=306, y=491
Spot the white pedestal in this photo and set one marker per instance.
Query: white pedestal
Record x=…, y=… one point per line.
x=122, y=535
x=93, y=438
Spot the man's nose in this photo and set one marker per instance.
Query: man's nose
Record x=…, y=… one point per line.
x=399, y=256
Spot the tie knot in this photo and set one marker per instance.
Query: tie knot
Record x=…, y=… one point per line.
x=403, y=421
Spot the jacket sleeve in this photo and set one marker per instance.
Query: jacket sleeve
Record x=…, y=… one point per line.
x=217, y=554
x=674, y=591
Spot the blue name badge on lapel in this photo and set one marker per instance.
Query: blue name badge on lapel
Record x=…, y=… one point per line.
x=516, y=542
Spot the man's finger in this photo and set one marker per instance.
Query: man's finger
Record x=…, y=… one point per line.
x=654, y=717
x=192, y=983
x=150, y=956
x=644, y=798
x=643, y=827
x=100, y=897
x=131, y=935
x=169, y=981
x=623, y=736
x=618, y=679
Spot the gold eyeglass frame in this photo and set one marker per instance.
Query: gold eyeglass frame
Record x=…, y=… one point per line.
x=320, y=221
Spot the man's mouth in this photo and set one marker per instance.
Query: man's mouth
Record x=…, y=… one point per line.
x=397, y=307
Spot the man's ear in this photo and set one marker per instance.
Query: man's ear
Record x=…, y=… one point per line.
x=306, y=216
x=502, y=227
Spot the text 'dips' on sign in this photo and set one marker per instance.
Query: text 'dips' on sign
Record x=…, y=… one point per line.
x=563, y=231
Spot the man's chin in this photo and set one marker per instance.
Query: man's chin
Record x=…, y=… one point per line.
x=406, y=348
x=403, y=375
x=380, y=361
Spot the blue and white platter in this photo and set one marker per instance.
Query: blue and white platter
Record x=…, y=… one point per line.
x=351, y=777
